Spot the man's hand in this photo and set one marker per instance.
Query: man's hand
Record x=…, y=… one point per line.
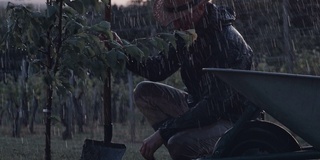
x=150, y=145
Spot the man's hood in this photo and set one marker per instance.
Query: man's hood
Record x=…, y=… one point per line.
x=217, y=16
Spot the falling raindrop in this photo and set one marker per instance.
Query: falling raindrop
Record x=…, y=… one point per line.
x=308, y=67
x=66, y=144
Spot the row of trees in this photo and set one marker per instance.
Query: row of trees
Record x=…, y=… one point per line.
x=71, y=55
x=61, y=47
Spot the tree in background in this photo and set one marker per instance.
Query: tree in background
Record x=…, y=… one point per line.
x=276, y=30
x=57, y=42
x=60, y=45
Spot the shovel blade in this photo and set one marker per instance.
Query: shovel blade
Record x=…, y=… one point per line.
x=98, y=150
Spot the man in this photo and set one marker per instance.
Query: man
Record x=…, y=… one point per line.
x=189, y=122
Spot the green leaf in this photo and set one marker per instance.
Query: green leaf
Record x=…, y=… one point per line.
x=37, y=62
x=149, y=42
x=38, y=21
x=72, y=27
x=134, y=51
x=144, y=49
x=79, y=72
x=48, y=80
x=75, y=41
x=77, y=5
x=89, y=2
x=5, y=36
x=90, y=51
x=125, y=42
x=97, y=67
x=97, y=5
x=114, y=44
x=86, y=2
x=37, y=15
x=154, y=43
x=105, y=1
x=116, y=60
x=33, y=36
x=103, y=27
x=10, y=6
x=161, y=44
x=168, y=37
x=51, y=11
x=69, y=11
x=81, y=20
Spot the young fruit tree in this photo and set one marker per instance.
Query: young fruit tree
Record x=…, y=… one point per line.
x=60, y=43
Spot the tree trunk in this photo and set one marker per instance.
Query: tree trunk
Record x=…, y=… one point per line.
x=47, y=111
x=24, y=107
x=97, y=105
x=24, y=99
x=16, y=125
x=96, y=110
x=66, y=118
x=35, y=105
x=79, y=111
x=123, y=105
x=132, y=119
x=1, y=116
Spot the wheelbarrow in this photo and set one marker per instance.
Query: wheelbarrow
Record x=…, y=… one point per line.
x=293, y=100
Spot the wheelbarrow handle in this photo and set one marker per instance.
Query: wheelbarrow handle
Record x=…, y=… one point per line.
x=107, y=108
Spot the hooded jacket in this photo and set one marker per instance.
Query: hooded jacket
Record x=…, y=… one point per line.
x=219, y=45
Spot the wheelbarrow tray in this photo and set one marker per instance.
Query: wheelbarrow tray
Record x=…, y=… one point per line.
x=293, y=100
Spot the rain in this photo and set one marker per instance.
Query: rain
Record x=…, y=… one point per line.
x=83, y=69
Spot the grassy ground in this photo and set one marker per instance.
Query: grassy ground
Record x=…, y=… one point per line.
x=31, y=146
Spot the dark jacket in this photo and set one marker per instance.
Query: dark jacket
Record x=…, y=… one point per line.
x=219, y=45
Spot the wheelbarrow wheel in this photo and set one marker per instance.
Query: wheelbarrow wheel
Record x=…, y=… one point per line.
x=260, y=137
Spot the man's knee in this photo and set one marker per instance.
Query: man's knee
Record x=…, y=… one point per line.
x=142, y=89
x=142, y=93
x=178, y=147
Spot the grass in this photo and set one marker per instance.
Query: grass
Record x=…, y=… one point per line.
x=31, y=146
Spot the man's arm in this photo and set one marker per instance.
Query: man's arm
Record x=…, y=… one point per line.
x=155, y=68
